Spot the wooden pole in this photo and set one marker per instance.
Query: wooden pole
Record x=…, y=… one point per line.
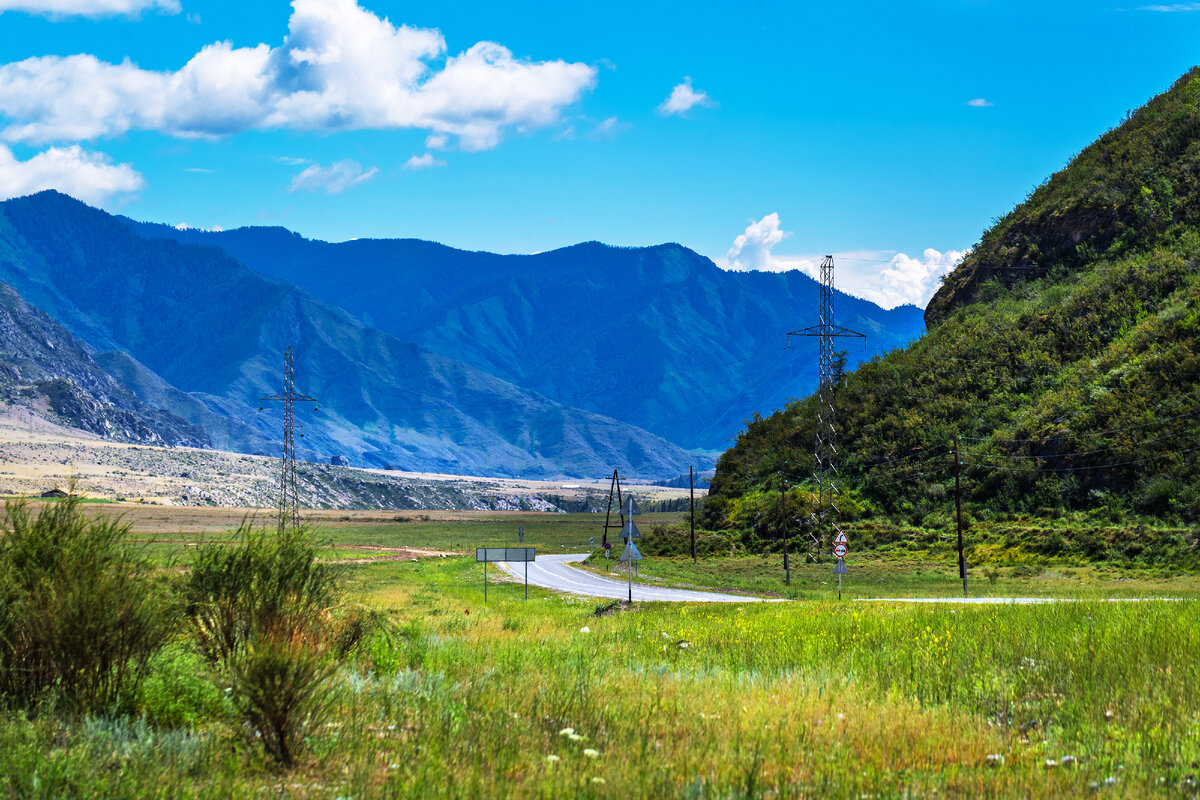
x=962, y=561
x=692, y=492
x=787, y=565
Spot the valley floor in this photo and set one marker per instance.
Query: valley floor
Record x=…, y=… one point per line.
x=36, y=455
x=562, y=696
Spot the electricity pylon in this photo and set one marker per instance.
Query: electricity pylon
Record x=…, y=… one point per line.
x=825, y=456
x=289, y=511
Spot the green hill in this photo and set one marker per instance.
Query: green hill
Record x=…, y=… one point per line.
x=1064, y=351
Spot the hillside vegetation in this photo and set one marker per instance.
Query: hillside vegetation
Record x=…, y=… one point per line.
x=1063, y=352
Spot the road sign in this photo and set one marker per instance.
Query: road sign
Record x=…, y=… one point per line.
x=608, y=545
x=504, y=554
x=591, y=540
x=840, y=568
x=630, y=553
x=493, y=554
x=839, y=550
x=841, y=538
x=630, y=531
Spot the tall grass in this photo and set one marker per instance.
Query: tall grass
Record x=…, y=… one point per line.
x=81, y=610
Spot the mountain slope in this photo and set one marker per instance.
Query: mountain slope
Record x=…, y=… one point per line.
x=210, y=327
x=1075, y=384
x=657, y=336
x=42, y=366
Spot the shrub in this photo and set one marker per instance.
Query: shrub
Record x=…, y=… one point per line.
x=81, y=610
x=264, y=582
x=261, y=609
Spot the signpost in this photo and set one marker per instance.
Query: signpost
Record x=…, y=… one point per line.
x=521, y=534
x=630, y=555
x=607, y=550
x=495, y=554
x=841, y=545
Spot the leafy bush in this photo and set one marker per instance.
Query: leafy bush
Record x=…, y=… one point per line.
x=261, y=609
x=264, y=582
x=278, y=683
x=81, y=610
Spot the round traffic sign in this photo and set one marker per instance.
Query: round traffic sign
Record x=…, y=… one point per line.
x=839, y=550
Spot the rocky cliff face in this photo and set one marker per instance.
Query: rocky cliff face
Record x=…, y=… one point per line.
x=46, y=368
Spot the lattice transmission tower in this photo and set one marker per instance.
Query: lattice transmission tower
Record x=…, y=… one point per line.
x=289, y=510
x=825, y=455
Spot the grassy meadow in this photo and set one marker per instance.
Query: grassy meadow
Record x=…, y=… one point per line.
x=568, y=697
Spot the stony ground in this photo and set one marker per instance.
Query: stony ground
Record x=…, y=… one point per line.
x=36, y=455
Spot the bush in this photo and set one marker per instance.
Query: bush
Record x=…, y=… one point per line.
x=264, y=582
x=261, y=609
x=81, y=610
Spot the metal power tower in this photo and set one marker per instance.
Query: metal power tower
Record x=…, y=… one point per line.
x=825, y=469
x=289, y=513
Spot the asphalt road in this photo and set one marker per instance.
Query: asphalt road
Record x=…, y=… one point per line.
x=555, y=572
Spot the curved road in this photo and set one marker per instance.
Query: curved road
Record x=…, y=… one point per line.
x=555, y=572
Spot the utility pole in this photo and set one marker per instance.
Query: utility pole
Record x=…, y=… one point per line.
x=787, y=567
x=692, y=493
x=825, y=471
x=289, y=511
x=962, y=560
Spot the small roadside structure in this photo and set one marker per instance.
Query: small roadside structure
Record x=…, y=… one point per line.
x=54, y=493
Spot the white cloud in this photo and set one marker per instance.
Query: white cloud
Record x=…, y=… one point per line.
x=1173, y=7
x=334, y=179
x=425, y=161
x=89, y=8
x=752, y=249
x=89, y=176
x=980, y=102
x=885, y=277
x=340, y=67
x=683, y=98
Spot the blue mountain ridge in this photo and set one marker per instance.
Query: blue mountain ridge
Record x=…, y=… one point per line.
x=192, y=328
x=658, y=337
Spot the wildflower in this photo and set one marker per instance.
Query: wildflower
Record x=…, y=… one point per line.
x=1051, y=763
x=567, y=732
x=551, y=758
x=585, y=629
x=995, y=758
x=576, y=737
x=1069, y=761
x=598, y=779
x=590, y=753
x=684, y=644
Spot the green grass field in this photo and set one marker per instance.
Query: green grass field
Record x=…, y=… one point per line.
x=543, y=698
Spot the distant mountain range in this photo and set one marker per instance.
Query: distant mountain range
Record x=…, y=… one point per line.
x=423, y=357
x=658, y=337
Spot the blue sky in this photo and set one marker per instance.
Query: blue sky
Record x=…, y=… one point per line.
x=887, y=133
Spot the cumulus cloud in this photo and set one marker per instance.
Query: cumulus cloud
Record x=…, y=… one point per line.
x=424, y=161
x=89, y=8
x=89, y=176
x=885, y=277
x=334, y=179
x=980, y=102
x=340, y=67
x=752, y=249
x=683, y=98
